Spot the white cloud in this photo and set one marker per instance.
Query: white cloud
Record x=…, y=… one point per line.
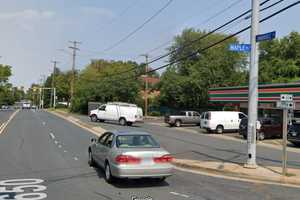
x=27, y=15
x=104, y=12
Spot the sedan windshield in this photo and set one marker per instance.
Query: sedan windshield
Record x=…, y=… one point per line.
x=136, y=141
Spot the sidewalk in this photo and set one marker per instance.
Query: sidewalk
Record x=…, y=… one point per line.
x=208, y=164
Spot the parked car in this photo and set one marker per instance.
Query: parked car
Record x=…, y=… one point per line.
x=184, y=117
x=130, y=155
x=221, y=121
x=266, y=128
x=124, y=113
x=293, y=135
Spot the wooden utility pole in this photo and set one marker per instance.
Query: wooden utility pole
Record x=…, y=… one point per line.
x=53, y=83
x=74, y=48
x=146, y=84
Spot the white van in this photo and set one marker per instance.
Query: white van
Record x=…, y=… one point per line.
x=124, y=113
x=221, y=121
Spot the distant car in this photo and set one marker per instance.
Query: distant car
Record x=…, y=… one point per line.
x=33, y=107
x=4, y=107
x=130, y=155
x=293, y=135
x=265, y=128
x=184, y=117
x=221, y=121
x=124, y=113
x=26, y=106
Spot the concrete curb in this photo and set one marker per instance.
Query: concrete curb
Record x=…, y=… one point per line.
x=95, y=130
x=181, y=163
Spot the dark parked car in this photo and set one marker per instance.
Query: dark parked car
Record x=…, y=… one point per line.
x=266, y=128
x=293, y=135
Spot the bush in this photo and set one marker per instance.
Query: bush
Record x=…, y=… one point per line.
x=154, y=113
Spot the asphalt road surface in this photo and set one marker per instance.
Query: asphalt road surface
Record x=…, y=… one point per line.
x=204, y=147
x=4, y=115
x=48, y=157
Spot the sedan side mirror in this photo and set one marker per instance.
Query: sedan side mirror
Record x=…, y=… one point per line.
x=93, y=140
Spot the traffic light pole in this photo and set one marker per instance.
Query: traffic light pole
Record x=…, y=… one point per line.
x=253, y=88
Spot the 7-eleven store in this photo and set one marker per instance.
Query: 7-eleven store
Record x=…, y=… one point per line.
x=269, y=94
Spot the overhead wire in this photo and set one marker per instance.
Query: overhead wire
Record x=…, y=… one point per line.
x=193, y=41
x=139, y=27
x=214, y=44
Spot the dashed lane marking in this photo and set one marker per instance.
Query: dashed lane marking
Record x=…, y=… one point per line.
x=65, y=151
x=56, y=142
x=52, y=135
x=75, y=158
x=59, y=146
x=179, y=194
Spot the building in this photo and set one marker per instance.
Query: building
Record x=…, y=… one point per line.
x=269, y=94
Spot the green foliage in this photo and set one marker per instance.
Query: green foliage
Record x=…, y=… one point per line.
x=96, y=83
x=280, y=59
x=186, y=84
x=8, y=95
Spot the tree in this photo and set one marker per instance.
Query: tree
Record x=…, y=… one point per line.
x=5, y=87
x=280, y=59
x=104, y=81
x=186, y=83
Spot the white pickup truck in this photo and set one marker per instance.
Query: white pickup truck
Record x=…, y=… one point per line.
x=124, y=113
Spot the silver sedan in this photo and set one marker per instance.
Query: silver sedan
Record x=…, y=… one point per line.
x=130, y=155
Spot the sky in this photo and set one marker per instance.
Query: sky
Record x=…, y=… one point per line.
x=35, y=32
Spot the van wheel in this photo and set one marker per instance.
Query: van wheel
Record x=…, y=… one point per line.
x=94, y=118
x=129, y=123
x=261, y=136
x=122, y=122
x=220, y=129
x=177, y=123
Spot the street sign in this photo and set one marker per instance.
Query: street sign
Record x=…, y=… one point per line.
x=285, y=105
x=240, y=47
x=286, y=102
x=266, y=36
x=286, y=97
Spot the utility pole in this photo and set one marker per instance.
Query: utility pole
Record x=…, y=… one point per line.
x=74, y=48
x=53, y=83
x=146, y=84
x=253, y=88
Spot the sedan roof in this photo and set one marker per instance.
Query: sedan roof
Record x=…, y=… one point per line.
x=124, y=132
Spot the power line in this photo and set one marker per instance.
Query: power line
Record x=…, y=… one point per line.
x=139, y=27
x=193, y=41
x=203, y=22
x=226, y=38
x=214, y=44
x=205, y=35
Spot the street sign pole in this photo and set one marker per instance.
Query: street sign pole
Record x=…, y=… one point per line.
x=253, y=88
x=284, y=142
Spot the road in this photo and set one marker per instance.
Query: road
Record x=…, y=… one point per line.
x=205, y=147
x=41, y=146
x=4, y=115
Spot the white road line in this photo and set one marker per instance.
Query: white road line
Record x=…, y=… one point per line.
x=52, y=135
x=56, y=142
x=75, y=158
x=65, y=151
x=179, y=194
x=44, y=123
x=59, y=146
